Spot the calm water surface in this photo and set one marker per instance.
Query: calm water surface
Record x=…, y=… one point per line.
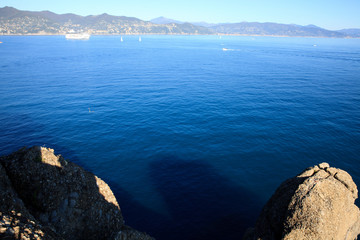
x=192, y=139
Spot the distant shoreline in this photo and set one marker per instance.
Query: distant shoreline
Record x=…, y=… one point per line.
x=17, y=22
x=180, y=34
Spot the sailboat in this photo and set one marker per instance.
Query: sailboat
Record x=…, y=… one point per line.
x=139, y=39
x=121, y=39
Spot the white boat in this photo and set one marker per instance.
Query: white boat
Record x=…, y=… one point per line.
x=77, y=36
x=121, y=39
x=139, y=39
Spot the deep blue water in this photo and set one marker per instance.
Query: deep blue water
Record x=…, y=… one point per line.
x=192, y=139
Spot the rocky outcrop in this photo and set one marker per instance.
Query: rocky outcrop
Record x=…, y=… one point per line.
x=44, y=196
x=317, y=204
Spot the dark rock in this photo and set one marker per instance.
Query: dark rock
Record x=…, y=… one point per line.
x=15, y=220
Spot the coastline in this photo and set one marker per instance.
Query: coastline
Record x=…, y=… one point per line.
x=179, y=34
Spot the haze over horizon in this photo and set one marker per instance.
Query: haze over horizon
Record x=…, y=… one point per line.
x=330, y=14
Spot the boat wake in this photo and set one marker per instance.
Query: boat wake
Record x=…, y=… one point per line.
x=229, y=49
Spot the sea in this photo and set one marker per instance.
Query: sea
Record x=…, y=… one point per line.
x=192, y=133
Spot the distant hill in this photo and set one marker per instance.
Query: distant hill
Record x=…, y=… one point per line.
x=163, y=20
x=267, y=29
x=275, y=29
x=204, y=24
x=353, y=32
x=14, y=21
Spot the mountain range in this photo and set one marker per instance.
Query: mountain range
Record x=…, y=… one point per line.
x=17, y=22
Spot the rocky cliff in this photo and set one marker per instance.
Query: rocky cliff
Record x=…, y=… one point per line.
x=317, y=204
x=44, y=196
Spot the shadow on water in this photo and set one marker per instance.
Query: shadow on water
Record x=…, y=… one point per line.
x=202, y=204
x=136, y=215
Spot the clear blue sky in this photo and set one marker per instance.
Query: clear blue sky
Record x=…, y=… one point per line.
x=330, y=14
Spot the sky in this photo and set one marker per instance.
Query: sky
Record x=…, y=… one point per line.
x=329, y=14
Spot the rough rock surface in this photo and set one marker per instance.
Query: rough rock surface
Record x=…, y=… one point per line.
x=317, y=204
x=43, y=196
x=15, y=220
